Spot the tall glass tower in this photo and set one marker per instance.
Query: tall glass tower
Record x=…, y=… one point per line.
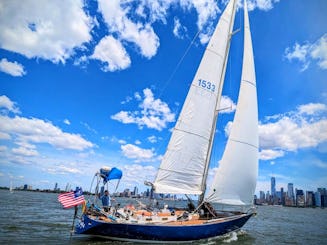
x=273, y=186
x=290, y=191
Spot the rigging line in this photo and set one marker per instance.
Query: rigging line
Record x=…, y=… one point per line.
x=173, y=73
x=179, y=63
x=170, y=78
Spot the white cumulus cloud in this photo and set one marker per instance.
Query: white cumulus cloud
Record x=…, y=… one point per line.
x=12, y=68
x=137, y=153
x=62, y=169
x=39, y=131
x=312, y=108
x=142, y=35
x=136, y=174
x=309, y=52
x=291, y=135
x=226, y=105
x=8, y=105
x=112, y=53
x=179, y=30
x=303, y=128
x=264, y=5
x=269, y=154
x=319, y=52
x=66, y=121
x=154, y=113
x=49, y=30
x=25, y=151
x=152, y=139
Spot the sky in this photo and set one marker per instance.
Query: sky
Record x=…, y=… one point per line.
x=86, y=84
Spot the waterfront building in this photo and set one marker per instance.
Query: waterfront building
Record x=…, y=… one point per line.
x=300, y=198
x=309, y=200
x=267, y=197
x=277, y=198
x=282, y=196
x=318, y=199
x=290, y=190
x=27, y=187
x=290, y=198
x=324, y=201
x=289, y=201
x=322, y=191
x=127, y=193
x=262, y=197
x=68, y=187
x=323, y=196
x=136, y=191
x=273, y=187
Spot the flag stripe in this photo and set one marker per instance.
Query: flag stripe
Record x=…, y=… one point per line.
x=69, y=200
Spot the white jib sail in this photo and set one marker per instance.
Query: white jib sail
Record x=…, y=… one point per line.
x=236, y=177
x=184, y=163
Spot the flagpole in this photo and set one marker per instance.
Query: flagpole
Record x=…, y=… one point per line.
x=72, y=229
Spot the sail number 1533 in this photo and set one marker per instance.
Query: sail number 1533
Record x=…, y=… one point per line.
x=207, y=85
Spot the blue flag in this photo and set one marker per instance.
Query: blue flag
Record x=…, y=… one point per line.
x=78, y=192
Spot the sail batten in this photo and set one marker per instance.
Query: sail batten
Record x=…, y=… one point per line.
x=191, y=139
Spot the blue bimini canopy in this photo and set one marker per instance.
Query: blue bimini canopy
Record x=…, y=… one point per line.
x=113, y=173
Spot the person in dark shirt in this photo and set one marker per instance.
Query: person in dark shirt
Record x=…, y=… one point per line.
x=106, y=201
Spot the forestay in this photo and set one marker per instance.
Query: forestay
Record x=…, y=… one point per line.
x=185, y=162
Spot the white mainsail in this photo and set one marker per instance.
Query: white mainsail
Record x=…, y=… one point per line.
x=186, y=160
x=235, y=179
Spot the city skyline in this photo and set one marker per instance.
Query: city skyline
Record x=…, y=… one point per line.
x=291, y=196
x=101, y=83
x=69, y=187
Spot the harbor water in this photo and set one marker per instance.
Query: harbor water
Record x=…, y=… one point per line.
x=38, y=218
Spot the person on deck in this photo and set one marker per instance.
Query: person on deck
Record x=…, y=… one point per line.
x=106, y=201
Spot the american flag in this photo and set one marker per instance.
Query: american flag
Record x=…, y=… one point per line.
x=71, y=199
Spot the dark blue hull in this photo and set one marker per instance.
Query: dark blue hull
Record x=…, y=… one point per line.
x=163, y=232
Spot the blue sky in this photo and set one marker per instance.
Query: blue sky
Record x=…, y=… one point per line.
x=101, y=83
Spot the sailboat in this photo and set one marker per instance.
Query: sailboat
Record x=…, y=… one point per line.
x=11, y=189
x=185, y=164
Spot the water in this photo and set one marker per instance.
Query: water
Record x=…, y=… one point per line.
x=32, y=217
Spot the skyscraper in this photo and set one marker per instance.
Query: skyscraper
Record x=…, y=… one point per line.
x=290, y=191
x=323, y=196
x=282, y=196
x=136, y=191
x=300, y=198
x=273, y=186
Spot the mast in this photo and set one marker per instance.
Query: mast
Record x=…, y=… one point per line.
x=240, y=157
x=221, y=79
x=184, y=164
